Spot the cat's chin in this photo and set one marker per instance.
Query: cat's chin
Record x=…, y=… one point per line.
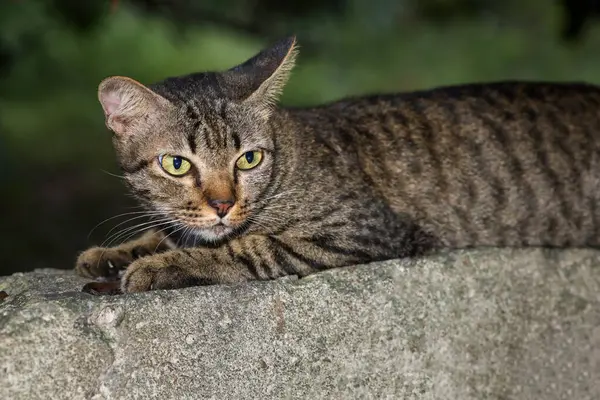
x=214, y=233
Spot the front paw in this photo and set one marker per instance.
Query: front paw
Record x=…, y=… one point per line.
x=109, y=263
x=158, y=272
x=100, y=262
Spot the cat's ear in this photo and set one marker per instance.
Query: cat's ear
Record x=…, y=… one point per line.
x=261, y=79
x=129, y=106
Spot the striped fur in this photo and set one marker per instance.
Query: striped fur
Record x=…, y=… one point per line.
x=358, y=180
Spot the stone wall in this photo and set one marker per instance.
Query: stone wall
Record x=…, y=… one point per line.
x=485, y=324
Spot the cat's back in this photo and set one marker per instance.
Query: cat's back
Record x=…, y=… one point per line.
x=495, y=163
x=502, y=110
x=450, y=103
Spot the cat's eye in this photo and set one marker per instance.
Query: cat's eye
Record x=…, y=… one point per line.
x=249, y=160
x=174, y=165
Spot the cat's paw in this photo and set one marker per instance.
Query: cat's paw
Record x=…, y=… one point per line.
x=155, y=273
x=102, y=262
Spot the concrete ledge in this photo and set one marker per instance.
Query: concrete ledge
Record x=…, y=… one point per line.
x=485, y=324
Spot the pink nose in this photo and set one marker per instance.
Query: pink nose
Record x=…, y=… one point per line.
x=221, y=206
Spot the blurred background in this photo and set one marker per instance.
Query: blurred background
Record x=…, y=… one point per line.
x=56, y=158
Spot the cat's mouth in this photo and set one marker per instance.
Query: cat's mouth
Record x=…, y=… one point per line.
x=215, y=232
x=220, y=228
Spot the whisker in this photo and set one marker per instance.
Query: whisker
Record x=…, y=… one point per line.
x=180, y=216
x=185, y=236
x=180, y=238
x=270, y=200
x=125, y=231
x=136, y=232
x=116, y=216
x=275, y=207
x=258, y=223
x=111, y=174
x=281, y=194
x=273, y=216
x=133, y=219
x=270, y=218
x=274, y=219
x=163, y=239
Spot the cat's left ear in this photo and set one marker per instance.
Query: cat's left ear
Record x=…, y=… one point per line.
x=260, y=80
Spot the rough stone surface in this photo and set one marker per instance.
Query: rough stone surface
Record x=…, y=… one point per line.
x=485, y=324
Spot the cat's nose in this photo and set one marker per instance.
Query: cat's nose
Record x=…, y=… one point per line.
x=221, y=206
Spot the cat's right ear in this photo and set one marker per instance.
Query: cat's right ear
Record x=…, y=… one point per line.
x=129, y=107
x=260, y=80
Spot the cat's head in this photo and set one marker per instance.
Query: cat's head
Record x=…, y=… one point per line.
x=199, y=149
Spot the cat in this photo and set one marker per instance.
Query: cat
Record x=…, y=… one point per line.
x=246, y=190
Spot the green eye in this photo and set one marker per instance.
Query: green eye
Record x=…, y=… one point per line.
x=249, y=159
x=174, y=165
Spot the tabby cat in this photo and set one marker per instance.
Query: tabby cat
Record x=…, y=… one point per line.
x=244, y=190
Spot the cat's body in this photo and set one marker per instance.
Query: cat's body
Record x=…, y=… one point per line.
x=500, y=164
x=359, y=180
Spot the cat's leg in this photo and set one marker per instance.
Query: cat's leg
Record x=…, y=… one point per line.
x=256, y=257
x=109, y=262
x=244, y=259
